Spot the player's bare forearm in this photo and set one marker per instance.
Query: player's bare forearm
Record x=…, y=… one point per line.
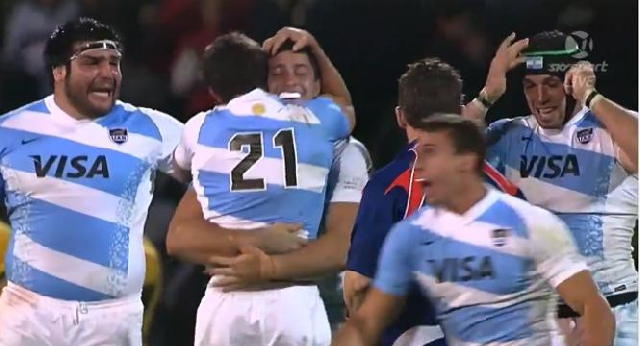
x=621, y=123
x=197, y=240
x=333, y=84
x=194, y=239
x=475, y=112
x=366, y=325
x=353, y=333
x=327, y=254
x=598, y=322
x=582, y=295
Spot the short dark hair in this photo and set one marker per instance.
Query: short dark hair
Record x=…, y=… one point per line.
x=429, y=86
x=466, y=135
x=234, y=64
x=60, y=45
x=315, y=66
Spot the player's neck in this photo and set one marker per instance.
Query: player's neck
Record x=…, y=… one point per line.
x=468, y=195
x=65, y=105
x=412, y=135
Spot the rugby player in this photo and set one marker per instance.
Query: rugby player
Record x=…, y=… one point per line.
x=577, y=155
x=487, y=261
x=429, y=86
x=76, y=173
x=279, y=177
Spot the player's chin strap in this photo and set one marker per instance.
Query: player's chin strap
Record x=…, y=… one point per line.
x=103, y=44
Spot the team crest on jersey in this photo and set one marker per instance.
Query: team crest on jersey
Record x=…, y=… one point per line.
x=119, y=135
x=584, y=136
x=258, y=109
x=499, y=237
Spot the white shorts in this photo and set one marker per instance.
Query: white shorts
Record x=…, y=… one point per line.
x=29, y=319
x=291, y=316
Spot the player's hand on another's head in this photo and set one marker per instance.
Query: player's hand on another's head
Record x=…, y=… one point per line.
x=280, y=238
x=506, y=58
x=580, y=80
x=301, y=39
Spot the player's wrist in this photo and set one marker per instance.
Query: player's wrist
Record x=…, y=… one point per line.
x=486, y=98
x=592, y=98
x=270, y=269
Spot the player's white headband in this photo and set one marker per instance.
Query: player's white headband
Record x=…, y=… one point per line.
x=98, y=45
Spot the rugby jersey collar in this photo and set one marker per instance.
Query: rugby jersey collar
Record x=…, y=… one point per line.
x=58, y=114
x=490, y=197
x=576, y=118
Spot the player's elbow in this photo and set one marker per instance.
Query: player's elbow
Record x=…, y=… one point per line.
x=600, y=309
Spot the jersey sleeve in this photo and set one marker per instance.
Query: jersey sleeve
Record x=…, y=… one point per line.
x=188, y=141
x=331, y=117
x=373, y=222
x=497, y=142
x=395, y=268
x=555, y=253
x=170, y=132
x=348, y=175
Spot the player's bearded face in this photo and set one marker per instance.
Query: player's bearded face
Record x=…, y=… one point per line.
x=92, y=83
x=435, y=166
x=292, y=72
x=546, y=99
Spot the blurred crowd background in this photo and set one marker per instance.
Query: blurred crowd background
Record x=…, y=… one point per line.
x=369, y=41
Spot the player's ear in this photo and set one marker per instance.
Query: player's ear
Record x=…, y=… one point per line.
x=59, y=73
x=468, y=162
x=400, y=119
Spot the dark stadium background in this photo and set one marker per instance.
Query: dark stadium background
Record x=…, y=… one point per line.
x=370, y=41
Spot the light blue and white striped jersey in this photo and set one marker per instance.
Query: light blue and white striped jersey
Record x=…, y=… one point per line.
x=349, y=172
x=77, y=194
x=489, y=272
x=575, y=173
x=259, y=160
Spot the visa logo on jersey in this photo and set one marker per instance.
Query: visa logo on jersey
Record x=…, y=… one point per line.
x=548, y=167
x=71, y=166
x=470, y=268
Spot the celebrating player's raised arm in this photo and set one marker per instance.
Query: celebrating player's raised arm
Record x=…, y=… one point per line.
x=621, y=123
x=332, y=84
x=506, y=58
x=558, y=260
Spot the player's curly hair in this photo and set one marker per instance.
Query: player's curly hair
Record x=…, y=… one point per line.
x=429, y=86
x=233, y=65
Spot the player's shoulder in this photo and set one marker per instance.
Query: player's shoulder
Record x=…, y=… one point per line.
x=144, y=120
x=504, y=129
x=255, y=102
x=531, y=214
x=400, y=165
x=350, y=148
x=38, y=106
x=196, y=121
x=154, y=115
x=417, y=221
